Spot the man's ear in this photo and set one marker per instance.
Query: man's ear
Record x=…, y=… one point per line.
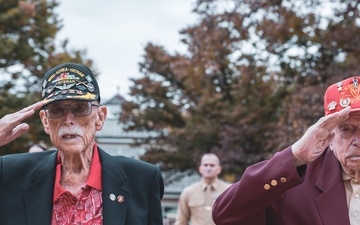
x=219, y=170
x=100, y=120
x=44, y=121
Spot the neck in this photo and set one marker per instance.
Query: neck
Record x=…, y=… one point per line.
x=75, y=171
x=209, y=180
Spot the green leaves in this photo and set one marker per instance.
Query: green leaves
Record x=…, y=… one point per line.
x=27, y=50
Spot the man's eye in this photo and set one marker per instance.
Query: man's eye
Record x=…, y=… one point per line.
x=344, y=129
x=55, y=110
x=79, y=107
x=347, y=129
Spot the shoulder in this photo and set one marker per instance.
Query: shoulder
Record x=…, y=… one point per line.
x=32, y=157
x=126, y=164
x=130, y=163
x=26, y=163
x=192, y=187
x=223, y=183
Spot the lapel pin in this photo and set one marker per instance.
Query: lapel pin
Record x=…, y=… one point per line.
x=112, y=197
x=120, y=198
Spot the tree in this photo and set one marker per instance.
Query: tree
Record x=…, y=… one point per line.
x=250, y=84
x=27, y=50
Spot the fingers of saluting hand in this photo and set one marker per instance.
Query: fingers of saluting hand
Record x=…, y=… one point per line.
x=33, y=107
x=317, y=137
x=326, y=124
x=11, y=125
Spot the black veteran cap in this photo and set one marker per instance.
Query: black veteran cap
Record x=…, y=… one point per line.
x=69, y=81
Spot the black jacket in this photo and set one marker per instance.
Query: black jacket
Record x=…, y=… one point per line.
x=27, y=186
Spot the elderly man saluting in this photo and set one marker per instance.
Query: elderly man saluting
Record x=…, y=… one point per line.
x=78, y=183
x=316, y=181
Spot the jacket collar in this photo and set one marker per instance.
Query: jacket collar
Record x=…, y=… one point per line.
x=39, y=210
x=38, y=196
x=115, y=194
x=331, y=203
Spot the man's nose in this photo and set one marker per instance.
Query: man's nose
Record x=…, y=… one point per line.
x=68, y=111
x=356, y=139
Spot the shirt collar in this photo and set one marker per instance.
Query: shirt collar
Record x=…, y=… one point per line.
x=214, y=184
x=345, y=175
x=94, y=178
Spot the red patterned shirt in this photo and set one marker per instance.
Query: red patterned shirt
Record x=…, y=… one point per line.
x=85, y=210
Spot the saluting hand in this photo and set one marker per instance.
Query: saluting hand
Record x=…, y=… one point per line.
x=11, y=125
x=317, y=137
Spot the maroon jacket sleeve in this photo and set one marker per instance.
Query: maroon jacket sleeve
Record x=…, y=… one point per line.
x=245, y=202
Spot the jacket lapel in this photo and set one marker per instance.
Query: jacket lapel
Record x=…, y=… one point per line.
x=115, y=195
x=331, y=203
x=38, y=196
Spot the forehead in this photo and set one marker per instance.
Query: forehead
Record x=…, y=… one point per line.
x=354, y=118
x=209, y=159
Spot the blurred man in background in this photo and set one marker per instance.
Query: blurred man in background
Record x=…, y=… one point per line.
x=195, y=202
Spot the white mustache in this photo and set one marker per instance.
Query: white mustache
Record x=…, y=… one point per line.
x=70, y=130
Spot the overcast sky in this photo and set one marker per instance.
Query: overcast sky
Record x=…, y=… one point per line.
x=115, y=33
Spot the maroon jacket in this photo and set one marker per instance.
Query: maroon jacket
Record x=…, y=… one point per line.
x=276, y=192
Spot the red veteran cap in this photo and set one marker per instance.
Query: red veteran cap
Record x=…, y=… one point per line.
x=342, y=94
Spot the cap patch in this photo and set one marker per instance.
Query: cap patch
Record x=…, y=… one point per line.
x=69, y=81
x=342, y=94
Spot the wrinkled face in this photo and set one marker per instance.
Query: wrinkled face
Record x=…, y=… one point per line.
x=69, y=132
x=346, y=143
x=210, y=166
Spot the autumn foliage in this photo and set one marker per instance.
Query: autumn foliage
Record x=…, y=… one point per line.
x=27, y=50
x=250, y=83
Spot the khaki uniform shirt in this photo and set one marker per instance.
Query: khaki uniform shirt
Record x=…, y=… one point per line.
x=352, y=190
x=194, y=206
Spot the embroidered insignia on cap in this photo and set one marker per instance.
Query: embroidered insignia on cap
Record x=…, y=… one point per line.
x=49, y=89
x=332, y=105
x=69, y=81
x=64, y=86
x=88, y=78
x=340, y=86
x=89, y=86
x=65, y=78
x=44, y=84
x=345, y=102
x=86, y=96
x=355, y=83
